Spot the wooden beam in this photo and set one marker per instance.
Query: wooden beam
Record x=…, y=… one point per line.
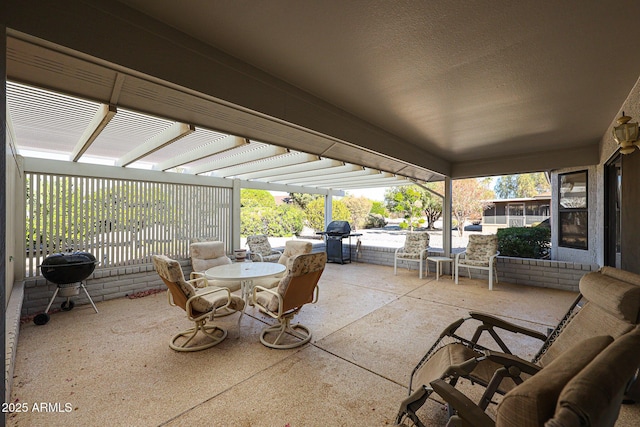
x=156, y=142
x=99, y=121
x=218, y=146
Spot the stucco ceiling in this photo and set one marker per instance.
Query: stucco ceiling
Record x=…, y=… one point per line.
x=464, y=80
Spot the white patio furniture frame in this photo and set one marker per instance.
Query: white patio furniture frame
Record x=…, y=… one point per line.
x=415, y=249
x=464, y=260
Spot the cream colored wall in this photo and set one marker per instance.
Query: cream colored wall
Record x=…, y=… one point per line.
x=14, y=224
x=593, y=254
x=608, y=149
x=631, y=107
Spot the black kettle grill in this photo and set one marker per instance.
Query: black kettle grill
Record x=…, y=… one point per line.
x=67, y=271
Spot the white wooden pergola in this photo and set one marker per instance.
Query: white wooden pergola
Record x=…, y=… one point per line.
x=64, y=134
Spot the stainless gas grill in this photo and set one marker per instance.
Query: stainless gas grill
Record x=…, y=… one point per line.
x=334, y=235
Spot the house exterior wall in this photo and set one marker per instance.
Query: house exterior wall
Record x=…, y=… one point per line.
x=497, y=216
x=595, y=197
x=630, y=201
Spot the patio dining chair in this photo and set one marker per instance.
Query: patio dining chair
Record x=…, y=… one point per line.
x=608, y=304
x=481, y=254
x=297, y=288
x=260, y=249
x=415, y=249
x=208, y=254
x=291, y=249
x=200, y=303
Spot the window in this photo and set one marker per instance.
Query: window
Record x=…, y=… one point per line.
x=537, y=209
x=573, y=210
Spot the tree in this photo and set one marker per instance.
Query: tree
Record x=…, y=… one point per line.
x=260, y=215
x=414, y=202
x=469, y=201
x=315, y=213
x=432, y=209
x=432, y=202
x=521, y=186
x=408, y=202
x=379, y=209
x=506, y=187
x=253, y=198
x=359, y=207
x=302, y=199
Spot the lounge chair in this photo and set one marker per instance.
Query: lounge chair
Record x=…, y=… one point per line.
x=609, y=304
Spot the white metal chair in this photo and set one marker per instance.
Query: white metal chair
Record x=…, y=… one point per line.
x=481, y=254
x=415, y=249
x=260, y=249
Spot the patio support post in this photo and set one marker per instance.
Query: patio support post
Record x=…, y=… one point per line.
x=328, y=209
x=446, y=219
x=235, y=215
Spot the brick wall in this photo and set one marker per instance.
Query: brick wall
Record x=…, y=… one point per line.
x=109, y=283
x=543, y=273
x=104, y=284
x=519, y=271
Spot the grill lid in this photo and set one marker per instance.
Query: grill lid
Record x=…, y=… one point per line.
x=338, y=228
x=64, y=268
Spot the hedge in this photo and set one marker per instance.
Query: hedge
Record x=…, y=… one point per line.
x=524, y=242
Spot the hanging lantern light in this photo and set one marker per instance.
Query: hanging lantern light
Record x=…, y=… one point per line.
x=626, y=134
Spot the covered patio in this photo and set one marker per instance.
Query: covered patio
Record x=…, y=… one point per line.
x=228, y=95
x=369, y=330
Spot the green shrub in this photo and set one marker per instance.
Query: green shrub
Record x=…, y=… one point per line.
x=250, y=198
x=524, y=242
x=281, y=221
x=315, y=213
x=375, y=221
x=288, y=221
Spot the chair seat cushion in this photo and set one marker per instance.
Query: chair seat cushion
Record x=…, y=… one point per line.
x=533, y=402
x=454, y=354
x=232, y=285
x=407, y=255
x=267, y=299
x=473, y=263
x=216, y=300
x=268, y=258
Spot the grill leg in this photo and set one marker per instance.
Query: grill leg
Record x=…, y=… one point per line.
x=88, y=296
x=52, y=298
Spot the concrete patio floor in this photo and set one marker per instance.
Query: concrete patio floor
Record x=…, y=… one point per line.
x=369, y=328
